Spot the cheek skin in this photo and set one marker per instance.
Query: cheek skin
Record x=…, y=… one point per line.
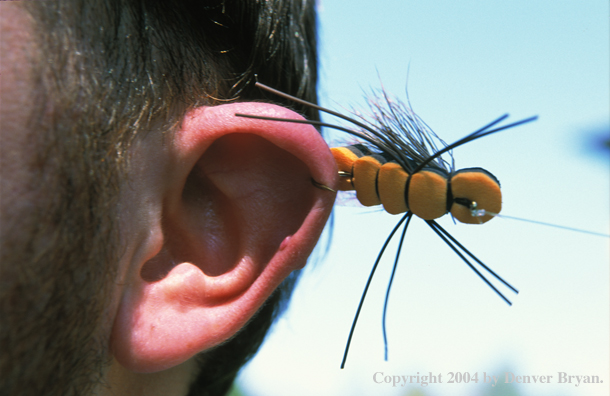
x=24, y=194
x=16, y=141
x=139, y=211
x=169, y=382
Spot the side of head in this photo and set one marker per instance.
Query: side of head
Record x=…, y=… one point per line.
x=143, y=224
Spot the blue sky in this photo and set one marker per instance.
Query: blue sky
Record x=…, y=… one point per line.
x=467, y=62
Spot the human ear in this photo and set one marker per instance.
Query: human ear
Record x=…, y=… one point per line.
x=238, y=213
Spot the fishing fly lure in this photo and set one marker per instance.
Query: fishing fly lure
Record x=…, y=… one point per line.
x=399, y=166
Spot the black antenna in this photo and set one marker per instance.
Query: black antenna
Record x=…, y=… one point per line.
x=387, y=144
x=310, y=122
x=473, y=136
x=437, y=228
x=368, y=283
x=498, y=277
x=387, y=293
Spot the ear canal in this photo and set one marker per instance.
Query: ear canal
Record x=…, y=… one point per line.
x=475, y=185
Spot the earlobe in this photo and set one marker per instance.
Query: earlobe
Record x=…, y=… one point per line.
x=239, y=213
